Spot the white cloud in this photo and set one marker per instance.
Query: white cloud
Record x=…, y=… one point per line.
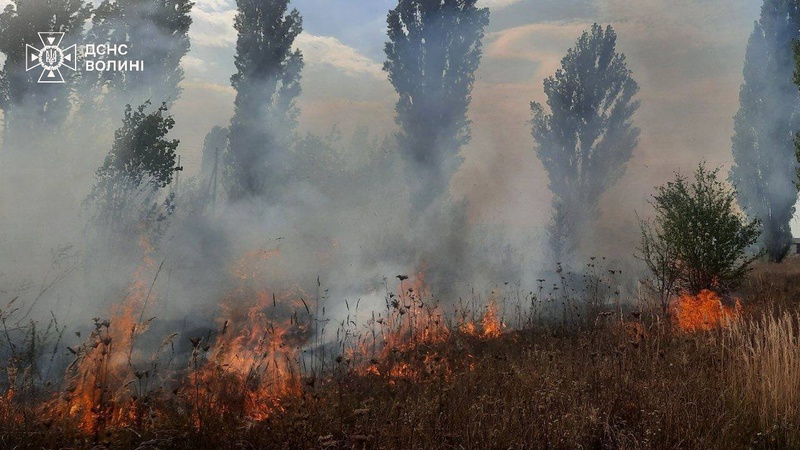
x=327, y=50
x=193, y=64
x=498, y=4
x=224, y=90
x=214, y=5
x=213, y=28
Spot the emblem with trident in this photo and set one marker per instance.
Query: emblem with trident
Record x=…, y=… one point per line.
x=51, y=57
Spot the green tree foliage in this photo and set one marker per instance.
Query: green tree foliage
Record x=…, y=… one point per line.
x=698, y=239
x=156, y=32
x=765, y=167
x=140, y=165
x=29, y=107
x=267, y=83
x=588, y=136
x=433, y=51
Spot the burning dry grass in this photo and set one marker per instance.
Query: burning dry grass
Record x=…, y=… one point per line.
x=253, y=363
x=703, y=312
x=96, y=394
x=413, y=379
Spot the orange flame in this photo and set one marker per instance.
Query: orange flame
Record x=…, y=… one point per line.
x=414, y=333
x=408, y=335
x=491, y=327
x=702, y=312
x=252, y=366
x=104, y=364
x=410, y=321
x=254, y=363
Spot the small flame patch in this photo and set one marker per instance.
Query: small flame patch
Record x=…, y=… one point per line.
x=702, y=312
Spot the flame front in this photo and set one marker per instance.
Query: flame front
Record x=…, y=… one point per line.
x=416, y=337
x=491, y=326
x=253, y=363
x=104, y=364
x=702, y=312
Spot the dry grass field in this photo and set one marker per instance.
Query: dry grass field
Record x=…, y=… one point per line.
x=633, y=379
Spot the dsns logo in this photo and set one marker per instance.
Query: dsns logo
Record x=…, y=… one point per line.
x=51, y=57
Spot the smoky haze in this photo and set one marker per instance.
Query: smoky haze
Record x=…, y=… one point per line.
x=346, y=213
x=339, y=218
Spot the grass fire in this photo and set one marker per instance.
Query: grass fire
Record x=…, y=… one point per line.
x=409, y=224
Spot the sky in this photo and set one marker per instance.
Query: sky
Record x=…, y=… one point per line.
x=687, y=57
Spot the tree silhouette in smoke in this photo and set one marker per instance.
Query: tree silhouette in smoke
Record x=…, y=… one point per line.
x=215, y=143
x=141, y=163
x=765, y=169
x=267, y=82
x=157, y=33
x=588, y=136
x=433, y=51
x=30, y=107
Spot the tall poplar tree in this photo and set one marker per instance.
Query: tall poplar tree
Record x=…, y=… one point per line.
x=765, y=170
x=267, y=83
x=433, y=51
x=588, y=136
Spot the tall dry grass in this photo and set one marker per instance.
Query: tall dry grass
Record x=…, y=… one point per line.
x=763, y=371
x=598, y=376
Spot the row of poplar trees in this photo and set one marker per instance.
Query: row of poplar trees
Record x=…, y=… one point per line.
x=584, y=136
x=434, y=48
x=432, y=54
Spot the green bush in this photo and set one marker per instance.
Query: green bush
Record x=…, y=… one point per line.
x=698, y=239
